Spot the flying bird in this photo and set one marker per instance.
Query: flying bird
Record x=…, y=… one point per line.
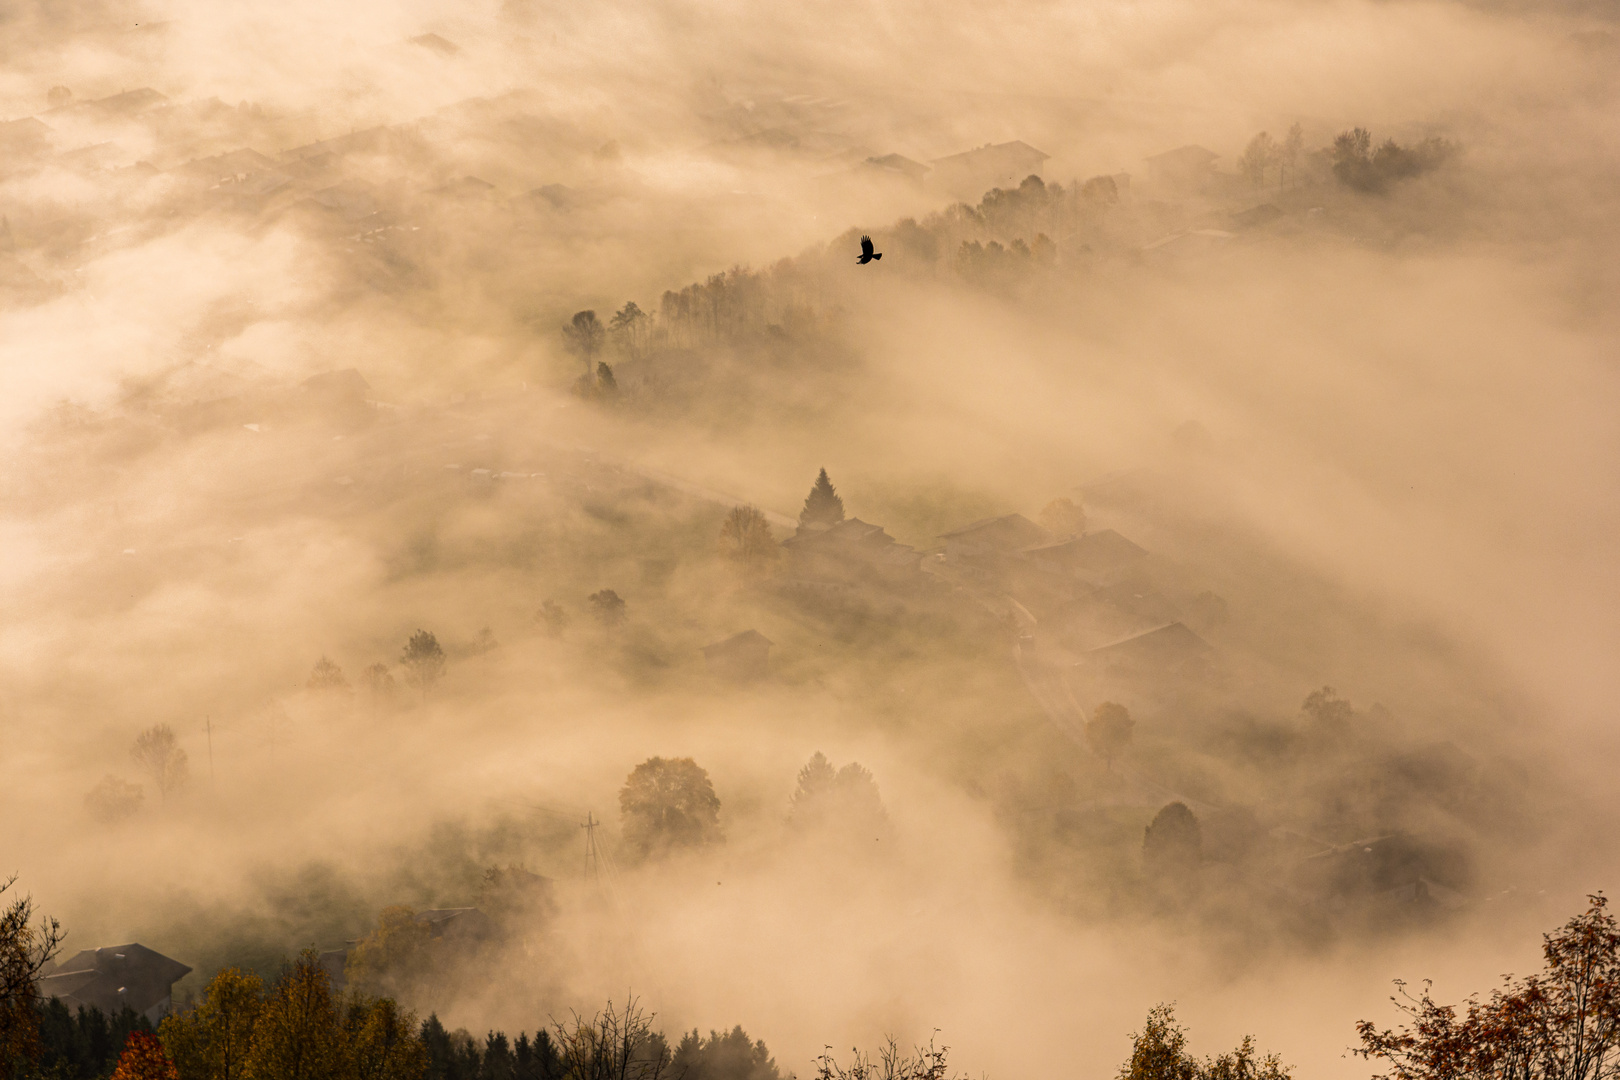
x=867, y=254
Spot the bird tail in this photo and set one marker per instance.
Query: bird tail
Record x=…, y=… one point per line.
x=877, y=255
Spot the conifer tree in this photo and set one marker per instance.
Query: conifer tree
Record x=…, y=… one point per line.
x=822, y=506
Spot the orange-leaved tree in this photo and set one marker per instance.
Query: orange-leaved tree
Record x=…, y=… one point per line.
x=143, y=1059
x=1560, y=1024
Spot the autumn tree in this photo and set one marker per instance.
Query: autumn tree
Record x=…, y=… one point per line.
x=1159, y=1052
x=395, y=960
x=584, y=335
x=745, y=537
x=297, y=1036
x=423, y=660
x=667, y=804
x=326, y=675
x=382, y=1042
x=113, y=799
x=822, y=506
x=212, y=1040
x=1562, y=1023
x=143, y=1059
x=1063, y=518
x=157, y=751
x=26, y=948
x=1108, y=732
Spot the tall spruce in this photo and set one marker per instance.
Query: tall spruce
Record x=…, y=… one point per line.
x=822, y=506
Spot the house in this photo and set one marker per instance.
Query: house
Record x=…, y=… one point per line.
x=849, y=554
x=995, y=535
x=115, y=977
x=1184, y=169
x=895, y=165
x=1168, y=648
x=970, y=174
x=1098, y=556
x=740, y=657
x=461, y=925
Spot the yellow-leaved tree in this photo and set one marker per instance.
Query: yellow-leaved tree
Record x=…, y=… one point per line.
x=212, y=1041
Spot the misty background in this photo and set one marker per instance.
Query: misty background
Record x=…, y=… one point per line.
x=283, y=297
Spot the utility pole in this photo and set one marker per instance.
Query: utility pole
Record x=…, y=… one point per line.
x=593, y=869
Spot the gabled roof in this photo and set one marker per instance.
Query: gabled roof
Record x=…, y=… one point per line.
x=1014, y=531
x=748, y=638
x=999, y=150
x=850, y=531
x=1168, y=644
x=896, y=163
x=115, y=976
x=1096, y=552
x=1184, y=155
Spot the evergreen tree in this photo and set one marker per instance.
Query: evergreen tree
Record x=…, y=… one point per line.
x=822, y=506
x=1173, y=842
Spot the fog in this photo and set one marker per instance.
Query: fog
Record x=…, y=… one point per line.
x=286, y=373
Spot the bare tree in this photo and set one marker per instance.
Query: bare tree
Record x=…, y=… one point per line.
x=615, y=1044
x=25, y=949
x=157, y=751
x=922, y=1063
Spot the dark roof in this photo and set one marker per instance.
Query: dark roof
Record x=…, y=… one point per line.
x=131, y=101
x=244, y=160
x=746, y=639
x=1017, y=148
x=1096, y=552
x=1018, y=530
x=112, y=977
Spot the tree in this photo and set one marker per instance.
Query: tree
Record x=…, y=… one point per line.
x=326, y=675
x=584, y=337
x=423, y=660
x=143, y=1059
x=379, y=684
x=1172, y=843
x=1108, y=732
x=1288, y=155
x=552, y=616
x=297, y=1036
x=212, y=1040
x=1159, y=1052
x=1560, y=1024
x=923, y=1063
x=113, y=799
x=1352, y=160
x=25, y=949
x=728, y=1056
x=1260, y=155
x=1063, y=517
x=745, y=537
x=395, y=960
x=382, y=1042
x=606, y=384
x=822, y=506
x=667, y=804
x=158, y=752
x=608, y=607
x=1328, y=712
x=630, y=328
x=846, y=800
x=615, y=1044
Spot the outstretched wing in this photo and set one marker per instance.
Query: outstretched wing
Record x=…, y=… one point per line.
x=866, y=245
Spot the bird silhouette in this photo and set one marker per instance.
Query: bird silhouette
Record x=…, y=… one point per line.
x=867, y=254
